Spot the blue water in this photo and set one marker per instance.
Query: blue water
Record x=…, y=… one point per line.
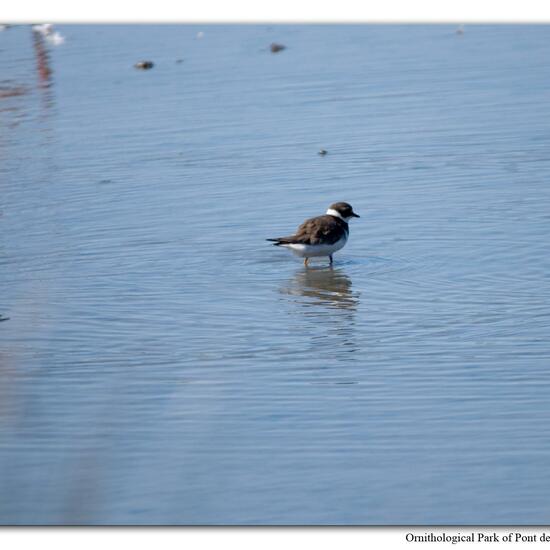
x=162, y=364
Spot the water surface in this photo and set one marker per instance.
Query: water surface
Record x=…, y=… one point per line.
x=163, y=364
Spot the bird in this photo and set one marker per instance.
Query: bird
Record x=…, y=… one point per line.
x=44, y=29
x=322, y=235
x=47, y=31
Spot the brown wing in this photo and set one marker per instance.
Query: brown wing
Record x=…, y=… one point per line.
x=326, y=229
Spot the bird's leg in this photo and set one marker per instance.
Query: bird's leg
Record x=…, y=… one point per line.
x=306, y=260
x=331, y=261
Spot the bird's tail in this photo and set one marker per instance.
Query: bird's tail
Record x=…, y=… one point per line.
x=279, y=241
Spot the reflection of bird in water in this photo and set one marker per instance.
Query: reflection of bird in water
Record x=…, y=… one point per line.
x=322, y=286
x=42, y=59
x=327, y=302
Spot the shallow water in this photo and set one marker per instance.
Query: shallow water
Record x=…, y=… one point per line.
x=163, y=364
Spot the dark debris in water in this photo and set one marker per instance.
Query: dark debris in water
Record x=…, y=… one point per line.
x=144, y=65
x=322, y=152
x=274, y=47
x=4, y=318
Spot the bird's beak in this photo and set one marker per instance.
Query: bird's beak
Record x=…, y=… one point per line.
x=354, y=215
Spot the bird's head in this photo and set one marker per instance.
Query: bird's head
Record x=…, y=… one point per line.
x=342, y=210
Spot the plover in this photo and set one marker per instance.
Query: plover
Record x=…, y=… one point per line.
x=320, y=236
